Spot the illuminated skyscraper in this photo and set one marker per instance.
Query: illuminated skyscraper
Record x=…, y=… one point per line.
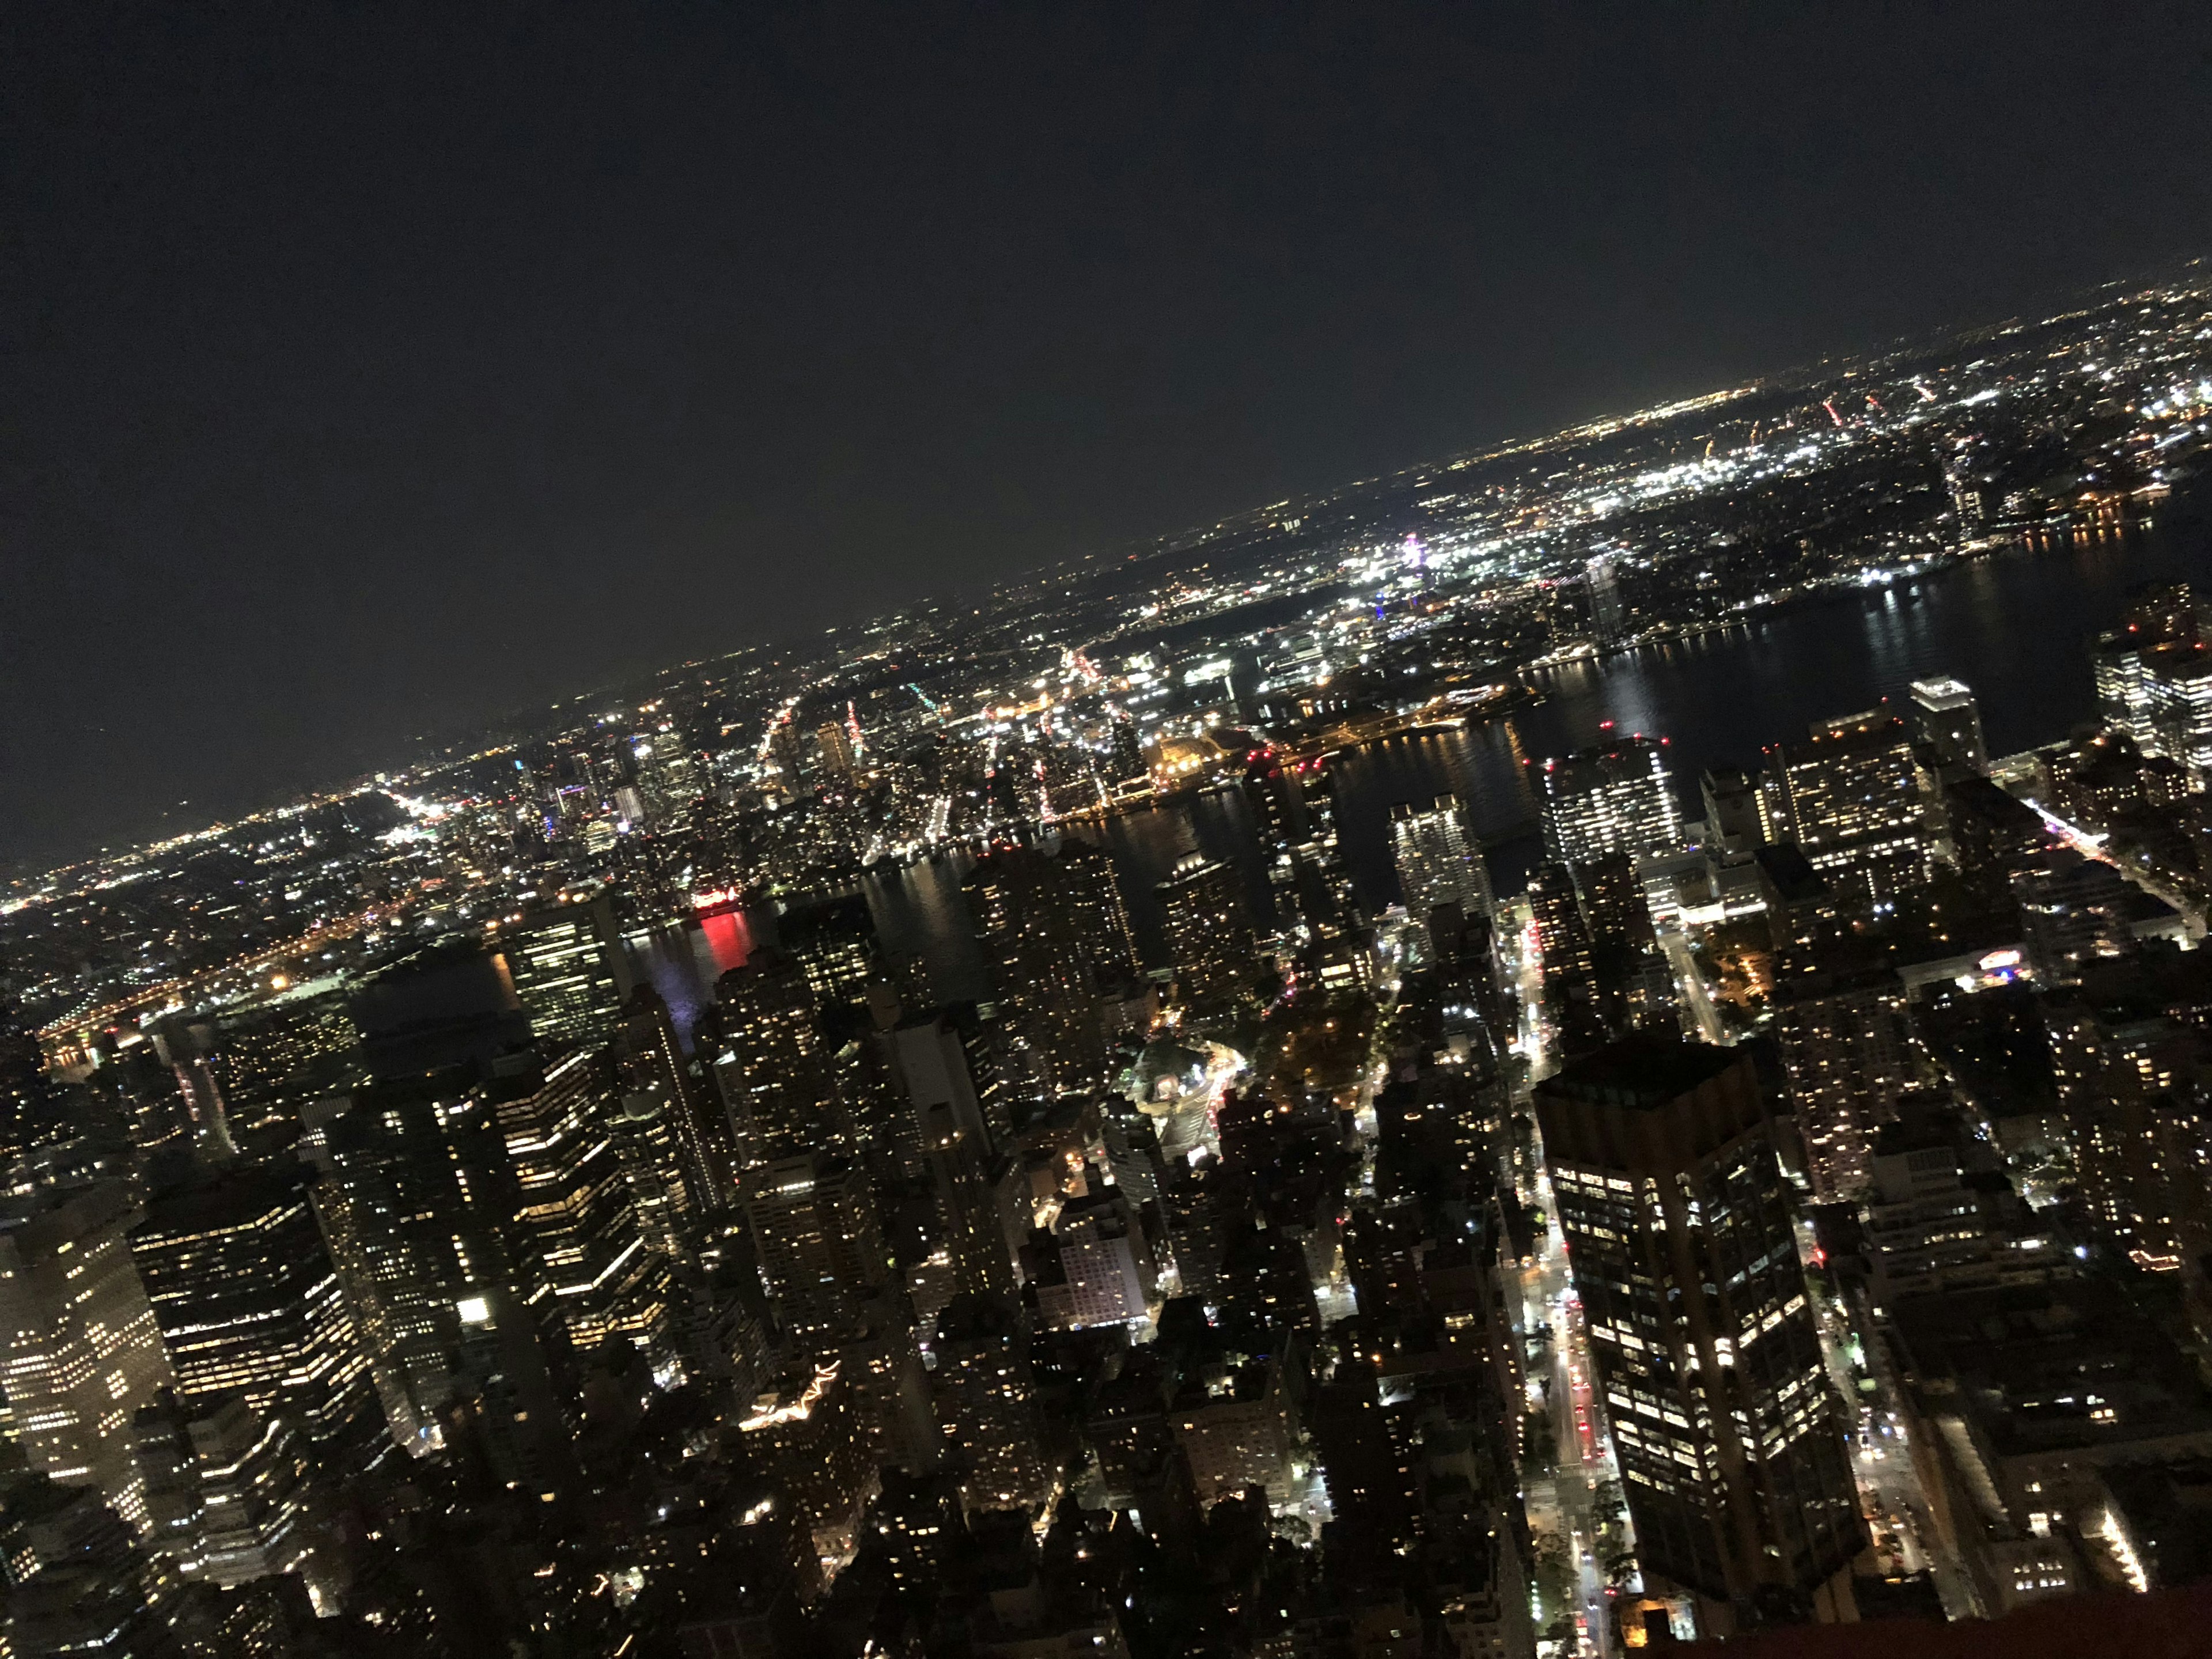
x=1615, y=797
x=1439, y=860
x=249, y=1303
x=1608, y=616
x=568, y=972
x=79, y=1350
x=1679, y=1234
x=579, y=1257
x=1854, y=804
x=417, y=1191
x=2160, y=617
x=2177, y=692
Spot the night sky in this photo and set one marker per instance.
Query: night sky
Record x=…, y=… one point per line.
x=370, y=369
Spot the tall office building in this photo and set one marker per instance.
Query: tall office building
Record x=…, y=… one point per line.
x=79, y=1350
x=1209, y=936
x=775, y=1078
x=1054, y=928
x=253, y=1494
x=820, y=1244
x=568, y=972
x=1849, y=1054
x=1679, y=1232
x=650, y=1062
x=1581, y=1017
x=249, y=1303
x=1439, y=862
x=415, y=1194
x=833, y=942
x=580, y=1256
x=1946, y=719
x=1614, y=797
x=1854, y=804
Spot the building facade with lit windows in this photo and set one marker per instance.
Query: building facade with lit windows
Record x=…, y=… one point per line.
x=1946, y=719
x=568, y=972
x=820, y=1244
x=581, y=1257
x=1614, y=797
x=1209, y=934
x=986, y=1395
x=1439, y=860
x=250, y=1303
x=1679, y=1233
x=1854, y=804
x=82, y=1350
x=1850, y=1055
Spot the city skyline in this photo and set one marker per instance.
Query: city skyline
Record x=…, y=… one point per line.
x=1599, y=1042
x=591, y=356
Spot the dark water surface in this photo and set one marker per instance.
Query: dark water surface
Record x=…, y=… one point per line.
x=2014, y=627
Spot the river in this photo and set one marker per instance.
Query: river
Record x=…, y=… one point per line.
x=2014, y=626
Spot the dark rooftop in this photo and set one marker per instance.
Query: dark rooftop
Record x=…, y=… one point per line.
x=1641, y=1070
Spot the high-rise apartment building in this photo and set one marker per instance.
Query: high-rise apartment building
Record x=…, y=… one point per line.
x=1054, y=928
x=249, y=1303
x=1439, y=860
x=1945, y=718
x=1850, y=1055
x=773, y=1076
x=1854, y=804
x=1614, y=797
x=1293, y=805
x=1209, y=936
x=820, y=1244
x=987, y=1404
x=1679, y=1231
x=568, y=972
x=79, y=1350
